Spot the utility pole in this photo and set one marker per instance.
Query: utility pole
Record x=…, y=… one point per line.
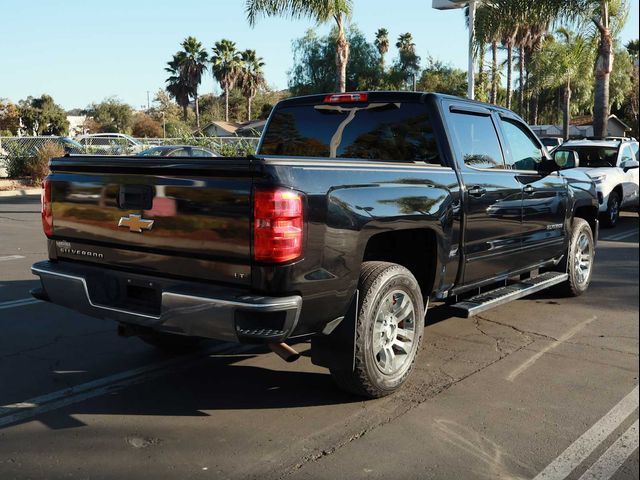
x=472, y=4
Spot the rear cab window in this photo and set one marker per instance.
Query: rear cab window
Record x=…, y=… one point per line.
x=376, y=130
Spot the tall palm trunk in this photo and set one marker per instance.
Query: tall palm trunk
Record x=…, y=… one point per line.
x=197, y=105
x=249, y=98
x=494, y=72
x=533, y=109
x=226, y=104
x=604, y=65
x=342, y=55
x=566, y=111
x=482, y=88
x=521, y=79
x=184, y=112
x=509, y=74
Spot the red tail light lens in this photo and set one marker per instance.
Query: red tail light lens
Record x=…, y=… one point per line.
x=47, y=214
x=278, y=225
x=346, y=98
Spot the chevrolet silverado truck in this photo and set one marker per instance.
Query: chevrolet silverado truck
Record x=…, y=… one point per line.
x=356, y=211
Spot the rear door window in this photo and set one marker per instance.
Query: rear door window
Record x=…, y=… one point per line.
x=476, y=140
x=395, y=132
x=526, y=154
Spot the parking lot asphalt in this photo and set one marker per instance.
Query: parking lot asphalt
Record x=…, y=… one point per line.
x=543, y=387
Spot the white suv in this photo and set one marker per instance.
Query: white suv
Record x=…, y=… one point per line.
x=613, y=166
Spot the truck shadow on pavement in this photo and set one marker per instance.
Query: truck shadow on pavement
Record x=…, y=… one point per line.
x=244, y=381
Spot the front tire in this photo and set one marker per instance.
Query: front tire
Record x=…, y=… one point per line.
x=610, y=217
x=389, y=328
x=578, y=263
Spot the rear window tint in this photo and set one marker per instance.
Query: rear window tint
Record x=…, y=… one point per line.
x=396, y=132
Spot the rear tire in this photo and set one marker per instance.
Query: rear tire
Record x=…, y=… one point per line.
x=578, y=262
x=610, y=217
x=171, y=343
x=389, y=328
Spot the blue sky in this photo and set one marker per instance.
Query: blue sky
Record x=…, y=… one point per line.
x=84, y=51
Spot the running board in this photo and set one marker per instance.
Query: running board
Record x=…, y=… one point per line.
x=485, y=301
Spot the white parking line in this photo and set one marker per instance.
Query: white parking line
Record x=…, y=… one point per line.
x=620, y=236
x=584, y=446
x=562, y=339
x=52, y=401
x=615, y=456
x=18, y=303
x=10, y=257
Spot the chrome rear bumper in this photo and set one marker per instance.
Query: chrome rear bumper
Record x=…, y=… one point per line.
x=181, y=307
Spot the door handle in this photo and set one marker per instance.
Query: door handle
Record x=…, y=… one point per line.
x=477, y=191
x=529, y=189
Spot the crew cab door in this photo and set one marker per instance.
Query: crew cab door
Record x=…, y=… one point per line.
x=492, y=195
x=545, y=199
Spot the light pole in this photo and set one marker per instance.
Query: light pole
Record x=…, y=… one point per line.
x=472, y=4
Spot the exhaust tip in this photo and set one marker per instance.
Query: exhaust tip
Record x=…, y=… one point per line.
x=284, y=351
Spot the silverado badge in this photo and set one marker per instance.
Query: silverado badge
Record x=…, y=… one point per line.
x=135, y=223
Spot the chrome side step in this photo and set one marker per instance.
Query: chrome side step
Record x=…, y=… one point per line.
x=485, y=301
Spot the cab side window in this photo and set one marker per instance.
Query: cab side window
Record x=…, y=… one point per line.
x=526, y=154
x=477, y=141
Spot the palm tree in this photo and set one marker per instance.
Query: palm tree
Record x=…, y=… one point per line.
x=322, y=11
x=409, y=61
x=608, y=16
x=487, y=31
x=177, y=84
x=382, y=44
x=251, y=77
x=563, y=62
x=225, y=64
x=193, y=62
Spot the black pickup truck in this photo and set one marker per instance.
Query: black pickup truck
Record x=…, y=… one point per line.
x=355, y=212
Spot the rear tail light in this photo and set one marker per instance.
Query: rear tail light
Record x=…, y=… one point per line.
x=47, y=215
x=278, y=225
x=346, y=98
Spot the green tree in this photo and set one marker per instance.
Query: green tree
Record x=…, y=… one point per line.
x=42, y=116
x=566, y=61
x=408, y=63
x=226, y=66
x=313, y=63
x=112, y=115
x=9, y=117
x=439, y=77
x=145, y=126
x=382, y=44
x=633, y=47
x=322, y=11
x=251, y=77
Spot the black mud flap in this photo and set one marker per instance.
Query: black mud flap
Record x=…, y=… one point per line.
x=336, y=350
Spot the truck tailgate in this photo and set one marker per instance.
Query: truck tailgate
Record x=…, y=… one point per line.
x=146, y=213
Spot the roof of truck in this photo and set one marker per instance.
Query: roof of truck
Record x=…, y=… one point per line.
x=388, y=96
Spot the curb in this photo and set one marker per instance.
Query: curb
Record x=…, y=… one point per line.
x=21, y=193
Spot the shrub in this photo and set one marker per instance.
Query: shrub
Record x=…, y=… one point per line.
x=38, y=166
x=17, y=159
x=145, y=126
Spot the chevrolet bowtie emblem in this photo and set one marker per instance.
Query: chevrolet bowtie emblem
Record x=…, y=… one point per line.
x=135, y=223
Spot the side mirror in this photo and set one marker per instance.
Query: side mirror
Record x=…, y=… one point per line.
x=629, y=165
x=566, y=159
